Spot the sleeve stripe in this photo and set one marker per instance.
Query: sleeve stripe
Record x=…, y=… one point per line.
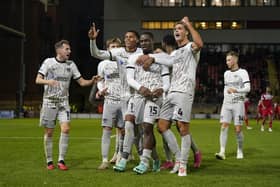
x=41, y=73
x=246, y=82
x=130, y=67
x=166, y=74
x=78, y=78
x=111, y=57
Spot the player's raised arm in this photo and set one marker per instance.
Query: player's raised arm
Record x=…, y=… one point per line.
x=94, y=51
x=93, y=33
x=197, y=40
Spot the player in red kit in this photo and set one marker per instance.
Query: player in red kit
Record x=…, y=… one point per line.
x=267, y=108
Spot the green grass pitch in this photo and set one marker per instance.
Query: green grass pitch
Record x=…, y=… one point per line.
x=22, y=160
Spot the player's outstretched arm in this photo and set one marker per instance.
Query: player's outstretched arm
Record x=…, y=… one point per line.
x=83, y=82
x=94, y=51
x=162, y=58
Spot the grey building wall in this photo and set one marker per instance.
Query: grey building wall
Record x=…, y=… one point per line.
x=122, y=15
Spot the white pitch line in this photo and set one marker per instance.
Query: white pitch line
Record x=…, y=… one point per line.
x=26, y=137
x=29, y=137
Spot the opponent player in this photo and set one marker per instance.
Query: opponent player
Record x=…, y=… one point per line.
x=267, y=108
x=55, y=74
x=237, y=85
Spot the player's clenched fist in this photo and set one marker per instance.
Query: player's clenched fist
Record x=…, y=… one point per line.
x=146, y=92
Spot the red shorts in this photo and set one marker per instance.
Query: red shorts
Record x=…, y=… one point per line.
x=267, y=112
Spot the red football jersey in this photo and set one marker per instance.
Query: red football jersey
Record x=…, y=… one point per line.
x=266, y=99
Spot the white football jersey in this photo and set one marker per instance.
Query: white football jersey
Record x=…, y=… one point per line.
x=235, y=79
x=61, y=72
x=184, y=69
x=108, y=70
x=121, y=56
x=152, y=78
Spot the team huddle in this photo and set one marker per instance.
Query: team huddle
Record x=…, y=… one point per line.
x=142, y=88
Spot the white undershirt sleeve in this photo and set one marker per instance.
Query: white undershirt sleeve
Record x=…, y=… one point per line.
x=97, y=53
x=130, y=78
x=245, y=89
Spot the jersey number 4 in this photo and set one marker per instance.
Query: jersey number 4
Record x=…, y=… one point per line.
x=180, y=112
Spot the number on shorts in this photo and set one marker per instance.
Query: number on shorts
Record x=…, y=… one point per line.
x=180, y=112
x=240, y=118
x=68, y=115
x=131, y=107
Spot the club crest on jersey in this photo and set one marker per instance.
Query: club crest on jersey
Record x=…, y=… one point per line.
x=120, y=62
x=68, y=69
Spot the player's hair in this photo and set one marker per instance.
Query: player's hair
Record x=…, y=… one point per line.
x=233, y=53
x=113, y=40
x=60, y=44
x=134, y=32
x=149, y=34
x=169, y=40
x=181, y=23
